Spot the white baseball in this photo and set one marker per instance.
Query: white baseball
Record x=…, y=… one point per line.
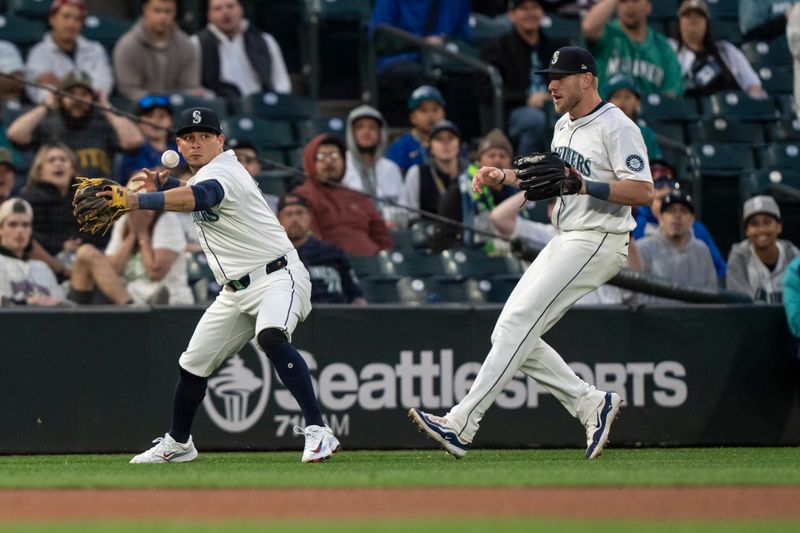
x=170, y=159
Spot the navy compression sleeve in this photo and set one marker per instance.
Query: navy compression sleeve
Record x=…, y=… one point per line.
x=207, y=194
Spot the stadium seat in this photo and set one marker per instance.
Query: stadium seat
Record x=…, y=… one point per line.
x=381, y=289
x=777, y=80
x=671, y=130
x=568, y=28
x=274, y=182
x=22, y=32
x=735, y=104
x=282, y=20
x=662, y=109
x=768, y=53
x=277, y=106
x=771, y=182
x=727, y=30
x=200, y=277
x=498, y=288
x=35, y=9
x=380, y=265
x=780, y=156
x=723, y=159
x=309, y=128
x=453, y=289
x=484, y=29
x=663, y=9
x=422, y=233
x=105, y=29
x=262, y=133
x=422, y=265
x=785, y=130
x=476, y=264
x=181, y=101
x=10, y=110
x=723, y=10
x=341, y=9
x=785, y=104
x=726, y=131
x=402, y=238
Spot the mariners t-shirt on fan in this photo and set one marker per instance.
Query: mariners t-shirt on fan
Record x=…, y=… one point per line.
x=241, y=234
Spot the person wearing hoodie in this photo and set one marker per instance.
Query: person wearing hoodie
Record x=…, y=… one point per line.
x=757, y=264
x=341, y=215
x=155, y=56
x=367, y=170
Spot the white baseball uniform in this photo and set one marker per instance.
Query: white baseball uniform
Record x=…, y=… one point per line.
x=240, y=236
x=591, y=247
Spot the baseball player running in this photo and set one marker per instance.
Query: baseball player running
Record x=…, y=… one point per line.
x=602, y=171
x=265, y=293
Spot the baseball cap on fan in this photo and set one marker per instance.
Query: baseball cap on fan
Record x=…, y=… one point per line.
x=198, y=119
x=761, y=204
x=570, y=60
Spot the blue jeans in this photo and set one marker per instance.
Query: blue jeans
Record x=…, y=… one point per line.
x=526, y=128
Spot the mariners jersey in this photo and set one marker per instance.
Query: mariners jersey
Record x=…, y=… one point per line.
x=240, y=234
x=606, y=146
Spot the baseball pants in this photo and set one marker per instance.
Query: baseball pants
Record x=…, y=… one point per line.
x=572, y=264
x=279, y=300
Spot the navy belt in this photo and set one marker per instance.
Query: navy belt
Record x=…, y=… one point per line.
x=243, y=283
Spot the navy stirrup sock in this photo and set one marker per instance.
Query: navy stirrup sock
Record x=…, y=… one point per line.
x=293, y=371
x=189, y=392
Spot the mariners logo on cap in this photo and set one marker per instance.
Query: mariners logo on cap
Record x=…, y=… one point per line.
x=197, y=117
x=555, y=58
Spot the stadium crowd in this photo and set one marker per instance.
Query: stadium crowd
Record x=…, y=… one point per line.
x=366, y=209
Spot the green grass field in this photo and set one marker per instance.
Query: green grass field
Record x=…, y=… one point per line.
x=423, y=468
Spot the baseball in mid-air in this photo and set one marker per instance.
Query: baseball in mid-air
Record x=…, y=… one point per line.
x=170, y=159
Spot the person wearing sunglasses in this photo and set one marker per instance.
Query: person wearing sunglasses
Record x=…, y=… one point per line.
x=647, y=221
x=155, y=112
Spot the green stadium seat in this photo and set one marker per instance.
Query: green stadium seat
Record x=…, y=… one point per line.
x=277, y=106
x=484, y=29
x=727, y=30
x=662, y=109
x=262, y=133
x=454, y=289
x=201, y=277
x=10, y=110
x=105, y=29
x=674, y=131
x=181, y=101
x=568, y=28
x=723, y=159
x=736, y=104
x=422, y=233
x=722, y=9
x=21, y=31
x=476, y=264
x=777, y=80
x=340, y=9
x=785, y=104
x=422, y=265
x=380, y=265
x=721, y=130
x=381, y=289
x=270, y=156
x=785, y=130
x=498, y=288
x=275, y=182
x=402, y=238
x=309, y=128
x=768, y=53
x=282, y=20
x=664, y=9
x=771, y=182
x=35, y=9
x=780, y=156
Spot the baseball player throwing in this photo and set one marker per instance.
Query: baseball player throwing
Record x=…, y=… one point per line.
x=266, y=288
x=602, y=170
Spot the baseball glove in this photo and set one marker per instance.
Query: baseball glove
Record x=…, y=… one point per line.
x=97, y=213
x=545, y=175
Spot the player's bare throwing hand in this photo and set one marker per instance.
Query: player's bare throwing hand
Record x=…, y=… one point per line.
x=609, y=171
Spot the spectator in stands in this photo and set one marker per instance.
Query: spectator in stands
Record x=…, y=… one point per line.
x=708, y=65
x=674, y=254
x=433, y=20
x=426, y=184
x=11, y=63
x=332, y=278
x=756, y=265
x=628, y=45
x=341, y=215
x=247, y=154
x=517, y=56
x=793, y=37
x=156, y=127
x=156, y=56
x=425, y=108
x=23, y=280
x=623, y=92
x=145, y=262
x=48, y=190
x=473, y=209
x=95, y=135
x=367, y=169
x=63, y=50
x=8, y=171
x=648, y=217
x=791, y=303
x=763, y=19
x=236, y=58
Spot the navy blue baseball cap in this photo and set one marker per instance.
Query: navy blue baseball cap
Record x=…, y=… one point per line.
x=444, y=125
x=677, y=196
x=570, y=60
x=198, y=119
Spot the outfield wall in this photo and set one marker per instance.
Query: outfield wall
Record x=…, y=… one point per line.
x=102, y=380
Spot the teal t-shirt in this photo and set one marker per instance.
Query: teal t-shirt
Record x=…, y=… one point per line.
x=652, y=62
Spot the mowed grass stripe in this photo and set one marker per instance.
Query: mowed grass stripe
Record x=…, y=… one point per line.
x=404, y=526
x=421, y=468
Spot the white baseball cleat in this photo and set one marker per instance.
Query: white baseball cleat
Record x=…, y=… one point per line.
x=320, y=443
x=438, y=429
x=167, y=450
x=598, y=426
